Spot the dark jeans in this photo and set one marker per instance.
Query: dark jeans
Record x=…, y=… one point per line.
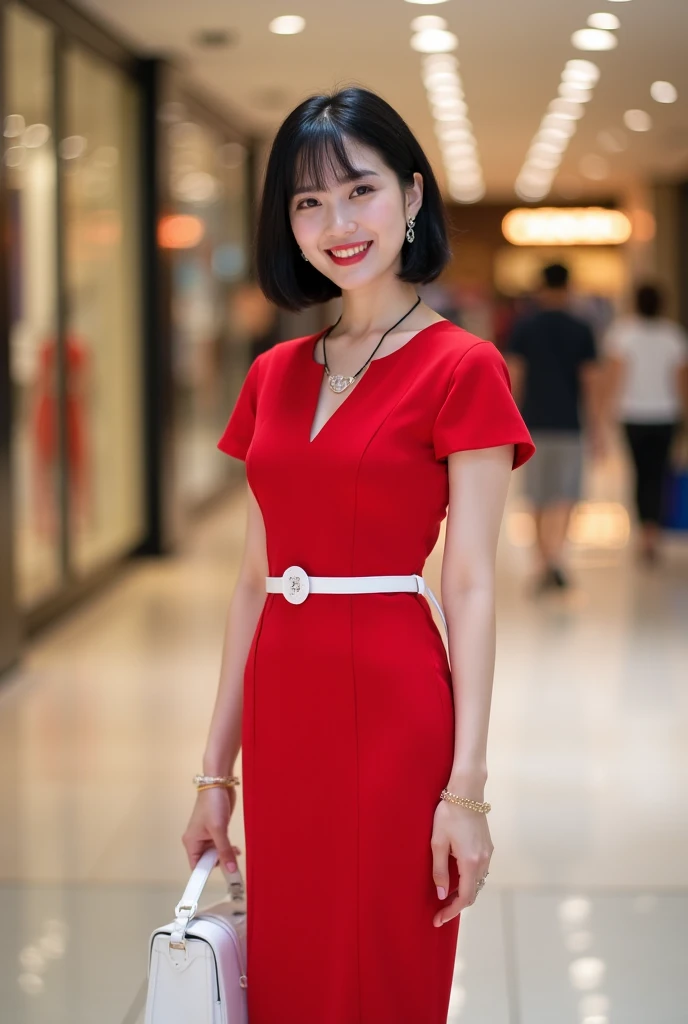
x=649, y=444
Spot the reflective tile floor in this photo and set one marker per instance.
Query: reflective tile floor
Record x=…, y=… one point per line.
x=585, y=917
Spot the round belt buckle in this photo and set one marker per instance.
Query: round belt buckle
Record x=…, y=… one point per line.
x=295, y=584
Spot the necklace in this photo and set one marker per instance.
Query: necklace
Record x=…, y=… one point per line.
x=339, y=383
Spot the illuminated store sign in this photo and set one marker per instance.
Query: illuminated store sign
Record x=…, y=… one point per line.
x=591, y=225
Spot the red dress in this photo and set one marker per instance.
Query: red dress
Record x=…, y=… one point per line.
x=348, y=718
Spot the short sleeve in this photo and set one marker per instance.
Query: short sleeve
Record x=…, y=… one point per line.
x=588, y=351
x=518, y=340
x=615, y=342
x=479, y=410
x=238, y=433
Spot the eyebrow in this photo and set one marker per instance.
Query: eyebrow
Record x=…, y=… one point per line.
x=349, y=178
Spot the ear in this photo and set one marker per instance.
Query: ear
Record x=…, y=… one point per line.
x=414, y=196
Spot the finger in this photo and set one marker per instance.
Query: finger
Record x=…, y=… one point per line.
x=195, y=848
x=469, y=873
x=440, y=866
x=224, y=848
x=447, y=912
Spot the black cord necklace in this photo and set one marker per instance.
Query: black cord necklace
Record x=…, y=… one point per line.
x=339, y=383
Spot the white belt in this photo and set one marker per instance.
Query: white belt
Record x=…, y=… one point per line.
x=295, y=584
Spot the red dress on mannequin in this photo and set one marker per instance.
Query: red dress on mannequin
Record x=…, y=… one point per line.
x=348, y=715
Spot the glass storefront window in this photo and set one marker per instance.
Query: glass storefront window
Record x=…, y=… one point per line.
x=30, y=167
x=103, y=338
x=214, y=309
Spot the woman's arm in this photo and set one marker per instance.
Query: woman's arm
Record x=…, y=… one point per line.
x=224, y=737
x=478, y=486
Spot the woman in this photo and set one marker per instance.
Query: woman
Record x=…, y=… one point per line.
x=355, y=441
x=647, y=358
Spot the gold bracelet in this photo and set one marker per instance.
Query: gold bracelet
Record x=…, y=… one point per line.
x=220, y=780
x=464, y=801
x=214, y=785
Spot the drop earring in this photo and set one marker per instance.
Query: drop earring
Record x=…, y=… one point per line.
x=410, y=233
x=304, y=255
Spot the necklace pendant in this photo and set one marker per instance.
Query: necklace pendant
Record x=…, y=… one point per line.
x=338, y=383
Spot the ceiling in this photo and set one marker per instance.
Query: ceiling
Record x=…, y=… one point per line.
x=511, y=54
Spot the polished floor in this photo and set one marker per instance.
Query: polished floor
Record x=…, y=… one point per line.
x=585, y=917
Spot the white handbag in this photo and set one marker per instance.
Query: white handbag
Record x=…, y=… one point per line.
x=197, y=963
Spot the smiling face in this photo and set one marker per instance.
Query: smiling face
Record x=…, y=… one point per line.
x=353, y=229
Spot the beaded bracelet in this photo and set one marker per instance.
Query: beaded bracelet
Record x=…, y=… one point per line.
x=205, y=781
x=464, y=801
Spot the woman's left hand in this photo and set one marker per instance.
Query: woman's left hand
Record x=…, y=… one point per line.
x=463, y=834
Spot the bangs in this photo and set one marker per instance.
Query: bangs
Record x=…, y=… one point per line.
x=320, y=155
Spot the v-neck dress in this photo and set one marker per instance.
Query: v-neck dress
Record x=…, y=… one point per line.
x=348, y=714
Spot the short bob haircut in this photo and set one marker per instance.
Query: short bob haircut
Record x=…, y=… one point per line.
x=311, y=141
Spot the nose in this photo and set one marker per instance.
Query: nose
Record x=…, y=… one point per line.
x=339, y=223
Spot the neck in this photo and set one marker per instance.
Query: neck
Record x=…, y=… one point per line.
x=375, y=307
x=554, y=298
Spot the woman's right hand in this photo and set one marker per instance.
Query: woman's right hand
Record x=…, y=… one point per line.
x=208, y=826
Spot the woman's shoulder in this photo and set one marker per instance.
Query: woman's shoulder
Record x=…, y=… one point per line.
x=452, y=346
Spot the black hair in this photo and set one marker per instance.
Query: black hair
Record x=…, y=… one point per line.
x=556, y=275
x=649, y=300
x=311, y=142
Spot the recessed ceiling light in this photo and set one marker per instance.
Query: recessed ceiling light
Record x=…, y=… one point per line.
x=421, y=2
x=434, y=40
x=638, y=120
x=567, y=108
x=593, y=39
x=613, y=140
x=575, y=91
x=604, y=20
x=579, y=70
x=427, y=21
x=663, y=92
x=618, y=1
x=594, y=167
x=287, y=25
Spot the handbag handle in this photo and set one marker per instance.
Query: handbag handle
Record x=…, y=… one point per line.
x=188, y=904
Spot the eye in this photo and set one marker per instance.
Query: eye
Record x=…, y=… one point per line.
x=310, y=199
x=366, y=187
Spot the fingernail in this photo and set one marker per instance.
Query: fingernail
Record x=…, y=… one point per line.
x=438, y=924
x=441, y=892
x=231, y=867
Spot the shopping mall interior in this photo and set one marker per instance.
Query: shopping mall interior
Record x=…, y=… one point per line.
x=135, y=142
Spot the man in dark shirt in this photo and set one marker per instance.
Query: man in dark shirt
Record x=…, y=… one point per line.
x=555, y=376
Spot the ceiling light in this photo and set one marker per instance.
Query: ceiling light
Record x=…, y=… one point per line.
x=440, y=62
x=434, y=40
x=287, y=25
x=554, y=125
x=594, y=167
x=72, y=146
x=425, y=1
x=427, y=21
x=663, y=92
x=593, y=39
x=605, y=21
x=613, y=140
x=567, y=108
x=638, y=120
x=581, y=71
x=35, y=135
x=592, y=225
x=14, y=126
x=576, y=91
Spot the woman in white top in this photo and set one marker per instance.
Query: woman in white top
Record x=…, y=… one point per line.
x=647, y=359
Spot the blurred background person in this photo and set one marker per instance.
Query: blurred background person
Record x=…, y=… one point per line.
x=552, y=357
x=646, y=371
